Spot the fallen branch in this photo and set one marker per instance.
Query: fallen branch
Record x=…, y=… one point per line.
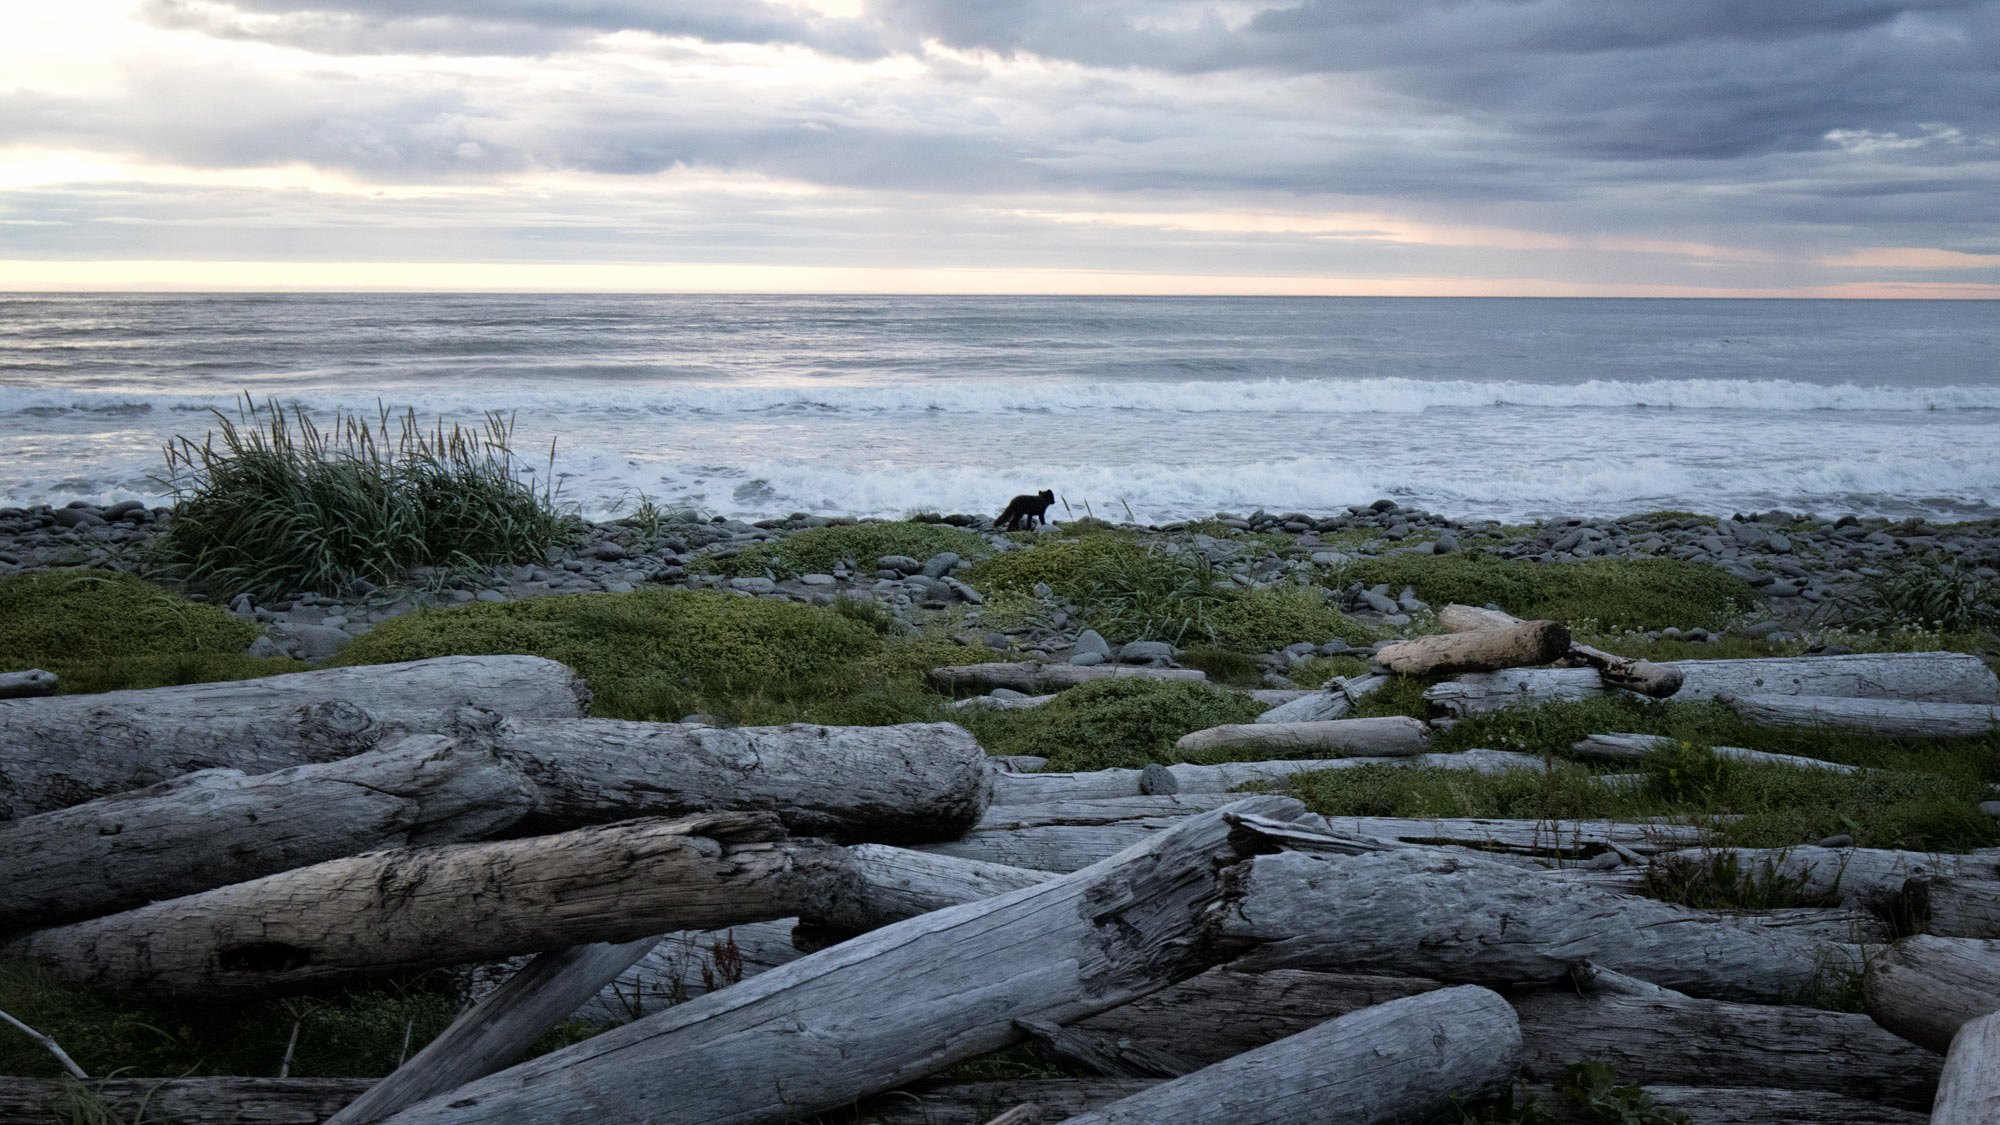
x=1641, y=676
x=1340, y=697
x=48, y=1043
x=179, y=1101
x=1516, y=645
x=1186, y=778
x=1391, y=736
x=1639, y=747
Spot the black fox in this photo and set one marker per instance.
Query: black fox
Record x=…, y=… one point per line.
x=1023, y=511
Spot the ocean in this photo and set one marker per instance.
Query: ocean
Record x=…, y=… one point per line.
x=1145, y=408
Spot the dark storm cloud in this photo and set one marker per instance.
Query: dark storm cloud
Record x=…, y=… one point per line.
x=510, y=27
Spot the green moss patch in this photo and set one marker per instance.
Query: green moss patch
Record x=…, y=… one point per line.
x=1115, y=723
x=1265, y=620
x=100, y=630
x=1613, y=593
x=817, y=550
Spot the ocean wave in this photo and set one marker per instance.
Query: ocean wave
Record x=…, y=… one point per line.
x=1027, y=397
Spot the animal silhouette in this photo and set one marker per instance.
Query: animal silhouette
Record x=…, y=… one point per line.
x=1023, y=511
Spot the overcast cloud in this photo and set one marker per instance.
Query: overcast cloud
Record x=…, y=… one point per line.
x=1702, y=144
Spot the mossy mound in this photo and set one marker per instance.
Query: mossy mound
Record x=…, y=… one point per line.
x=1066, y=566
x=1116, y=723
x=1614, y=593
x=816, y=550
x=99, y=630
x=651, y=655
x=1267, y=620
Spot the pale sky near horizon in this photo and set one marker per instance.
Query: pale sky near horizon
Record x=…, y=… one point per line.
x=1406, y=147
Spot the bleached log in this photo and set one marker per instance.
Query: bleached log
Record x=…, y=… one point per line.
x=1871, y=878
x=1641, y=676
x=1039, y=788
x=216, y=827
x=1033, y=679
x=182, y=1101
x=1638, y=747
x=939, y=1102
x=1889, y=718
x=1520, y=645
x=67, y=749
x=914, y=781
x=1954, y=907
x=816, y=1034
x=1068, y=835
x=415, y=908
x=1658, y=1036
x=1925, y=988
x=687, y=964
x=868, y=886
x=1224, y=1012
x=1730, y=1105
x=494, y=1032
x=1002, y=702
x=1107, y=1055
x=29, y=684
x=1945, y=677
x=1969, y=1093
x=1386, y=737
x=1449, y=916
x=1337, y=700
x=1396, y=1062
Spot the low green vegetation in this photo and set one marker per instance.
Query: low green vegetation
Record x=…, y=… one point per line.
x=281, y=504
x=98, y=630
x=1612, y=593
x=1932, y=592
x=817, y=550
x=1105, y=724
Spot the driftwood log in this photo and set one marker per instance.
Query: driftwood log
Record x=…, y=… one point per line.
x=1518, y=645
x=1889, y=718
x=1969, y=1093
x=1653, y=1035
x=690, y=963
x=1395, y=1062
x=1334, y=702
x=1875, y=879
x=1947, y=906
x=1035, y=678
x=1186, y=778
x=1945, y=677
x=1641, y=676
x=1925, y=988
x=181, y=1101
x=1450, y=916
x=915, y=781
x=29, y=684
x=1387, y=737
x=414, y=908
x=67, y=749
x=816, y=1034
x=1638, y=747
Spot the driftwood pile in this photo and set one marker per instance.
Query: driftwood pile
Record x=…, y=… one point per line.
x=791, y=921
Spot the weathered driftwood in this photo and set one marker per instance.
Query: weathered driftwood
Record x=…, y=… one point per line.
x=1641, y=676
x=816, y=1034
x=1069, y=835
x=67, y=749
x=865, y=887
x=1954, y=907
x=216, y=827
x=1890, y=718
x=1451, y=916
x=1336, y=700
x=1034, y=678
x=1109, y=1055
x=687, y=964
x=1946, y=677
x=1638, y=747
x=420, y=907
x=1519, y=645
x=1653, y=1035
x=1386, y=737
x=913, y=781
x=494, y=1032
x=1040, y=788
x=939, y=1102
x=1732, y=1105
x=183, y=1101
x=1224, y=1012
x=29, y=684
x=1872, y=878
x=1969, y=1092
x=1396, y=1062
x=1925, y=988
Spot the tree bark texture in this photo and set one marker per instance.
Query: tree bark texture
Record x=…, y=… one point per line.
x=1889, y=718
x=1387, y=737
x=184, y=1101
x=1035, y=678
x=1954, y=907
x=1224, y=1012
x=1969, y=1093
x=1872, y=878
x=690, y=963
x=1638, y=747
x=67, y=749
x=1520, y=645
x=1042, y=788
x=1336, y=701
x=385, y=912
x=1396, y=1062
x=892, y=1005
x=1925, y=988
x=1452, y=917
x=1945, y=677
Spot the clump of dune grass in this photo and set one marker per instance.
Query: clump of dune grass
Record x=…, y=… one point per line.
x=273, y=502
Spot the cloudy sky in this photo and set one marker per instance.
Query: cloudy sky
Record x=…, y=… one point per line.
x=1726, y=147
